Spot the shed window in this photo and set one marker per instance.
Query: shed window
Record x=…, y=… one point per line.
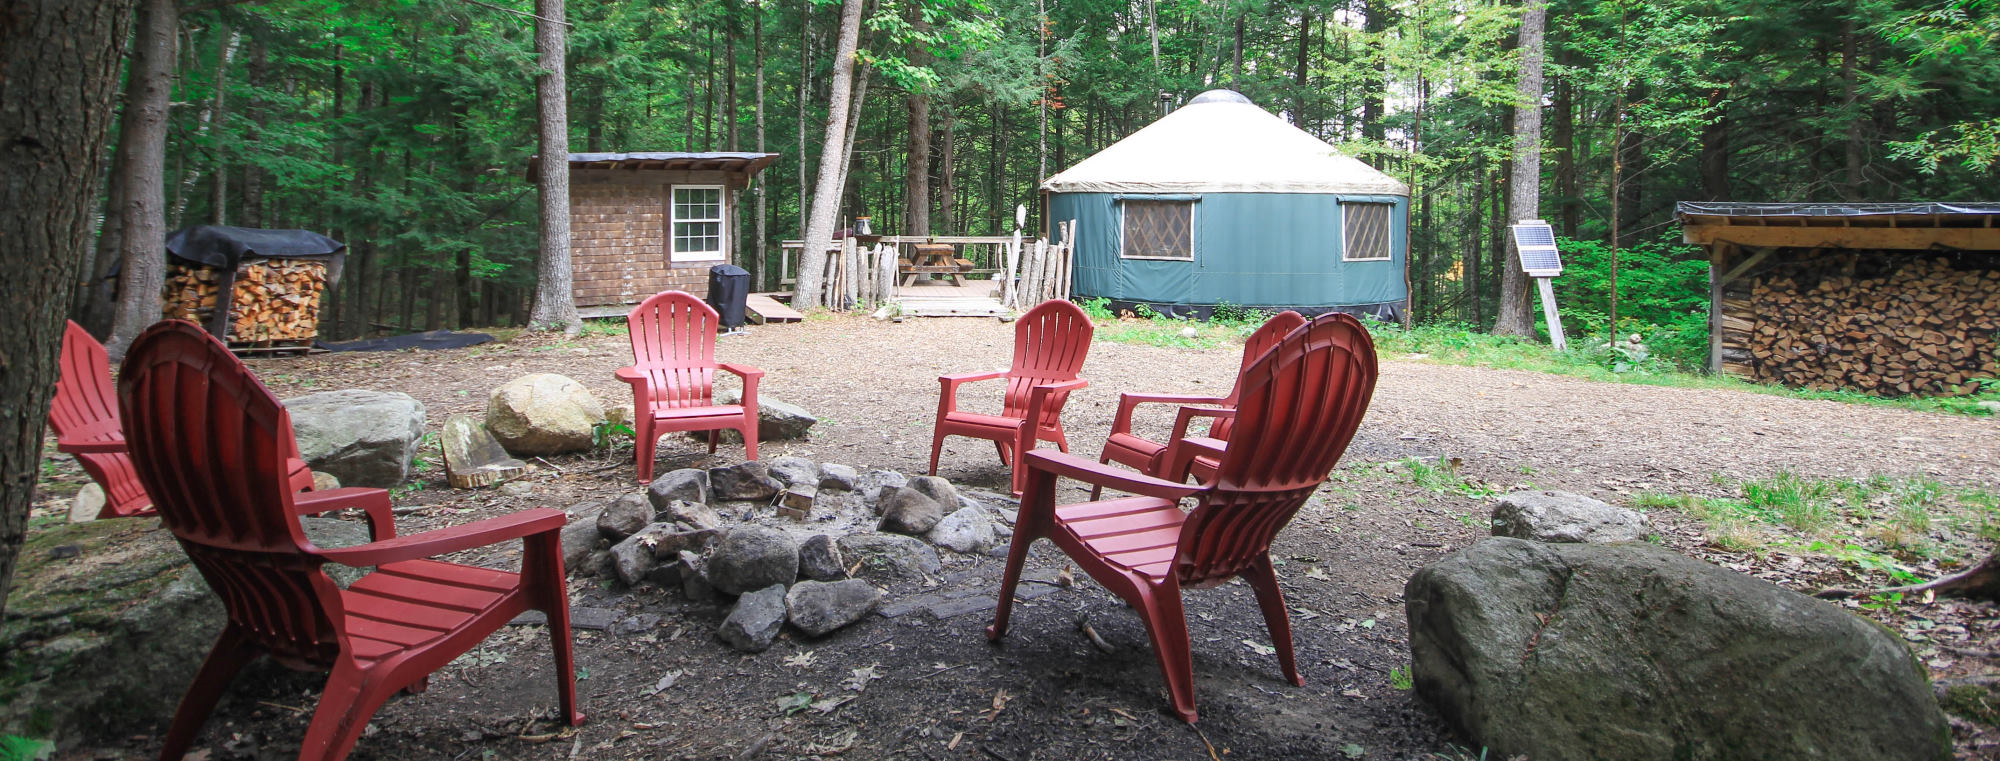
x=697, y=223
x=1157, y=230
x=1367, y=231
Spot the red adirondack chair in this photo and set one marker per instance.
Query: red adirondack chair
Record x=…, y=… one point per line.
x=209, y=443
x=1050, y=342
x=1298, y=408
x=673, y=376
x=1147, y=456
x=84, y=414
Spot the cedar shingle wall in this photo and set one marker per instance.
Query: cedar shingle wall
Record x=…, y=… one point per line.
x=618, y=245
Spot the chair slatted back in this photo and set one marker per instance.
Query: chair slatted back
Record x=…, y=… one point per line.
x=85, y=407
x=673, y=343
x=1050, y=342
x=210, y=443
x=1299, y=406
x=1265, y=337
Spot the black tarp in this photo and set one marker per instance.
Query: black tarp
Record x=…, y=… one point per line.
x=436, y=339
x=224, y=247
x=1915, y=208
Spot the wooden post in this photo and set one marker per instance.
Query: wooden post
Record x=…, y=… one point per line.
x=1546, y=287
x=1718, y=257
x=1010, y=287
x=885, y=273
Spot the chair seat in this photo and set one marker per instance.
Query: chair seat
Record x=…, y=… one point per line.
x=1135, y=534
x=402, y=607
x=997, y=423
x=698, y=413
x=1133, y=451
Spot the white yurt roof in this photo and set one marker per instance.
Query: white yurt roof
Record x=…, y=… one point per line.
x=1220, y=142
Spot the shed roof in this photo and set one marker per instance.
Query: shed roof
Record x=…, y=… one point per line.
x=1220, y=142
x=1897, y=226
x=731, y=161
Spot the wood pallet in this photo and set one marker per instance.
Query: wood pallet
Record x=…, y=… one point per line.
x=764, y=308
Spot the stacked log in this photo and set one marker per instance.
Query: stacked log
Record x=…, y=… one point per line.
x=272, y=301
x=1882, y=323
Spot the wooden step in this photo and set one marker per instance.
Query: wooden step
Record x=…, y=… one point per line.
x=764, y=309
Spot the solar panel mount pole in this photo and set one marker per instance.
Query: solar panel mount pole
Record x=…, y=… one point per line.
x=1546, y=286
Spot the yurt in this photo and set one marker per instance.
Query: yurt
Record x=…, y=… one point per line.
x=1222, y=202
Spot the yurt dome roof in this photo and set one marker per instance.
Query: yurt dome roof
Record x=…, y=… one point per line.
x=1220, y=142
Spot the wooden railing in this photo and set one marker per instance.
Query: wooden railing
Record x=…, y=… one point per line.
x=857, y=273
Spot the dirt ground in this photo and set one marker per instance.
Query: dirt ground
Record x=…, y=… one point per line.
x=926, y=684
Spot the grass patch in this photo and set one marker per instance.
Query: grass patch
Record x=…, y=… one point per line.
x=1975, y=703
x=1442, y=476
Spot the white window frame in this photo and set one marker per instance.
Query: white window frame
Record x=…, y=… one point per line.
x=721, y=225
x=1346, y=255
x=1194, y=208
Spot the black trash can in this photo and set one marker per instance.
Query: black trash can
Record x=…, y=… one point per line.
x=728, y=289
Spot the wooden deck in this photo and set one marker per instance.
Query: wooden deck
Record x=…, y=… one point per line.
x=765, y=308
x=940, y=298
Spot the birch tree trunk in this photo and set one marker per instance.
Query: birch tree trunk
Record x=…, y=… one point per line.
x=1524, y=186
x=757, y=243
x=142, y=148
x=826, y=192
x=59, y=65
x=555, y=306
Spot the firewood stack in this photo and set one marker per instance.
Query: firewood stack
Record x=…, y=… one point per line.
x=273, y=301
x=1918, y=326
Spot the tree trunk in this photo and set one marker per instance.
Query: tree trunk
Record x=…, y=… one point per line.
x=555, y=306
x=1715, y=150
x=210, y=115
x=917, y=188
x=948, y=172
x=1571, y=213
x=59, y=65
x=142, y=147
x=256, y=76
x=1375, y=23
x=826, y=192
x=1855, y=188
x=729, y=78
x=1513, y=315
x=218, y=178
x=96, y=297
x=763, y=230
x=1304, y=67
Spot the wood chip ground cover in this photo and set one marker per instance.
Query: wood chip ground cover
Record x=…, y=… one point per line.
x=938, y=690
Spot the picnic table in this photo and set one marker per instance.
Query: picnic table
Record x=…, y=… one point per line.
x=928, y=259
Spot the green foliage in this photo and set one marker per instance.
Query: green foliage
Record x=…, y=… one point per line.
x=1442, y=476
x=1099, y=309
x=605, y=432
x=1801, y=504
x=1399, y=678
x=17, y=748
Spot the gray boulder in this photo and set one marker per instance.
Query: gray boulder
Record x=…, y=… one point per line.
x=693, y=570
x=793, y=471
x=1559, y=516
x=907, y=511
x=753, y=557
x=632, y=559
x=837, y=477
x=543, y=413
x=668, y=540
x=693, y=514
x=580, y=536
x=625, y=516
x=819, y=607
x=776, y=420
x=686, y=484
x=820, y=559
x=890, y=555
x=750, y=481
x=871, y=482
x=967, y=530
x=1630, y=651
x=363, y=438
x=754, y=623
x=937, y=489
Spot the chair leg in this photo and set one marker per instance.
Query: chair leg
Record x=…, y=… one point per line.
x=547, y=572
x=1166, y=624
x=1006, y=452
x=1017, y=556
x=714, y=438
x=1264, y=578
x=644, y=446
x=749, y=431
x=345, y=706
x=1097, y=491
x=937, y=447
x=231, y=651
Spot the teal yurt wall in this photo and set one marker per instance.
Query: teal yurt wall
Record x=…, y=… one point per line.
x=1221, y=202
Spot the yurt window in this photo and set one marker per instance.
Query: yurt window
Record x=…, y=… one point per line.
x=697, y=223
x=1367, y=231
x=1157, y=230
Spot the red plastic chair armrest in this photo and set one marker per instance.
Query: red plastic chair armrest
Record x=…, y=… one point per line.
x=1038, y=397
x=632, y=375
x=1128, y=402
x=1188, y=414
x=1095, y=474
x=948, y=393
x=448, y=540
x=1181, y=453
x=746, y=372
x=381, y=521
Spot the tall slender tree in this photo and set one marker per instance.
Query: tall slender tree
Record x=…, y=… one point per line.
x=555, y=305
x=833, y=153
x=140, y=181
x=1524, y=185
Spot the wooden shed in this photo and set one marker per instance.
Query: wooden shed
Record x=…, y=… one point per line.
x=642, y=223
x=1886, y=299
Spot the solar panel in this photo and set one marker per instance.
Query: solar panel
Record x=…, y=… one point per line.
x=1536, y=244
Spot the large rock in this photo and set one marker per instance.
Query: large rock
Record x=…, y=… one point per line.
x=967, y=530
x=890, y=555
x=543, y=413
x=625, y=516
x=632, y=559
x=472, y=457
x=693, y=514
x=820, y=559
x=837, y=477
x=937, y=489
x=580, y=535
x=754, y=623
x=1629, y=651
x=793, y=471
x=363, y=438
x=1559, y=516
x=753, y=557
x=89, y=502
x=743, y=481
x=776, y=420
x=820, y=607
x=907, y=511
x=686, y=484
